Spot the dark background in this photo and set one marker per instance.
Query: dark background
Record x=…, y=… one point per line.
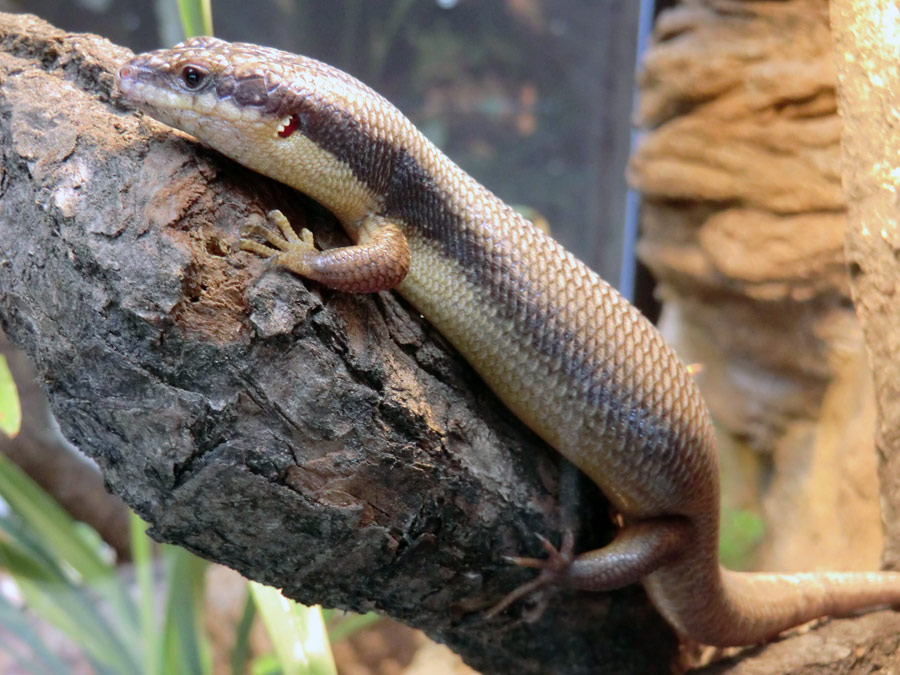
x=531, y=97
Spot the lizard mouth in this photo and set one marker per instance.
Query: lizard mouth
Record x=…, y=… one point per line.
x=127, y=80
x=141, y=86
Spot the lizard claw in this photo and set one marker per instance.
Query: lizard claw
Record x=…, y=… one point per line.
x=534, y=563
x=279, y=236
x=553, y=572
x=288, y=236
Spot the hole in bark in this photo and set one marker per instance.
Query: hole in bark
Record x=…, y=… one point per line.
x=216, y=248
x=855, y=270
x=197, y=294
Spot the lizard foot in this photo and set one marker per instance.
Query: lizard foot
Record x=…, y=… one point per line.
x=554, y=569
x=282, y=242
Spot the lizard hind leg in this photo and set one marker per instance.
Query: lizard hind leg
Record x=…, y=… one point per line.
x=637, y=550
x=553, y=569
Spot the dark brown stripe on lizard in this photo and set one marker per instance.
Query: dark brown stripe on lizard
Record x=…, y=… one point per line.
x=569, y=355
x=412, y=198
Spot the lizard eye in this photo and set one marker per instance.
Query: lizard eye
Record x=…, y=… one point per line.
x=193, y=77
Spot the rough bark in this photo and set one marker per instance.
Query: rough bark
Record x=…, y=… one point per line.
x=327, y=444
x=863, y=645
x=867, y=54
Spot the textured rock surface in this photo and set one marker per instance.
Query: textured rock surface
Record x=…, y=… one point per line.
x=744, y=220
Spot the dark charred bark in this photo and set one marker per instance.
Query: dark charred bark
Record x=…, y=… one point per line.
x=328, y=444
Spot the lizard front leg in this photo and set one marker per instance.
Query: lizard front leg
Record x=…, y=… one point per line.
x=377, y=262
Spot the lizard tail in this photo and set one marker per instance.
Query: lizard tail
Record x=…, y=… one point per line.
x=753, y=607
x=770, y=603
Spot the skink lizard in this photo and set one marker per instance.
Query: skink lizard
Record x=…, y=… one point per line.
x=560, y=347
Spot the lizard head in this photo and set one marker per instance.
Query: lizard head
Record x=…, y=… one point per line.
x=205, y=85
x=290, y=117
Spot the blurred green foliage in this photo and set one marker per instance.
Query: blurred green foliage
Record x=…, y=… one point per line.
x=196, y=17
x=10, y=411
x=63, y=574
x=742, y=532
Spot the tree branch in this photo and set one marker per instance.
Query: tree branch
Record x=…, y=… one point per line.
x=866, y=54
x=327, y=444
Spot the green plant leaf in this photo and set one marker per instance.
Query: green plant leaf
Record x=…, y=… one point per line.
x=741, y=533
x=142, y=559
x=240, y=651
x=10, y=410
x=266, y=664
x=49, y=522
x=15, y=623
x=297, y=632
x=50, y=595
x=62, y=540
x=185, y=649
x=345, y=626
x=196, y=17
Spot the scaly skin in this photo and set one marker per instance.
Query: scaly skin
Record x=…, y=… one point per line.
x=569, y=356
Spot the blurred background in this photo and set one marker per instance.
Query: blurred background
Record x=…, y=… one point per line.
x=533, y=98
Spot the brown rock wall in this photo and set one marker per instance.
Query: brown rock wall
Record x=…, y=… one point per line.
x=743, y=225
